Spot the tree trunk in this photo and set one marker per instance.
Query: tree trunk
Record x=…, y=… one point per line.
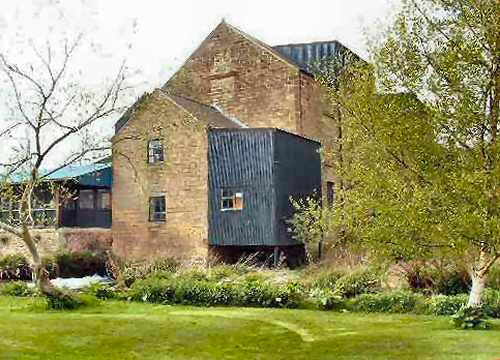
x=40, y=273
x=476, y=292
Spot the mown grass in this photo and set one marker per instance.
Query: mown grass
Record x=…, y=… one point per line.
x=120, y=330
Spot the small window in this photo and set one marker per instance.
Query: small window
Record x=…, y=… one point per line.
x=86, y=199
x=155, y=151
x=157, y=208
x=231, y=200
x=330, y=193
x=103, y=200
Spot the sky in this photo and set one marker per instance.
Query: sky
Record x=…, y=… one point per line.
x=155, y=37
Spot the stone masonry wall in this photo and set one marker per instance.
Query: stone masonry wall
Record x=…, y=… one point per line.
x=50, y=241
x=241, y=77
x=182, y=178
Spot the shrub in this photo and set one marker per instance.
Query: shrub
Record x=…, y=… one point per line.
x=393, y=302
x=80, y=264
x=471, y=318
x=362, y=281
x=326, y=299
x=103, y=291
x=491, y=303
x=68, y=300
x=325, y=279
x=15, y=267
x=494, y=278
x=436, y=278
x=131, y=272
x=445, y=305
x=191, y=288
x=17, y=288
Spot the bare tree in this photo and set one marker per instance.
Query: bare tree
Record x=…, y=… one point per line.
x=51, y=111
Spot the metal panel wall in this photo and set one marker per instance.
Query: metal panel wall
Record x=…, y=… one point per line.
x=268, y=166
x=241, y=160
x=297, y=175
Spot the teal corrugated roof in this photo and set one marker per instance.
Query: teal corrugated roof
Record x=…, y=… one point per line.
x=98, y=174
x=73, y=171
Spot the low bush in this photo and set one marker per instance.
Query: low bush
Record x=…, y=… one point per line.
x=435, y=277
x=491, y=303
x=194, y=288
x=17, y=288
x=391, y=302
x=445, y=305
x=80, y=264
x=326, y=299
x=104, y=291
x=128, y=273
x=494, y=278
x=15, y=267
x=362, y=281
x=471, y=318
x=68, y=300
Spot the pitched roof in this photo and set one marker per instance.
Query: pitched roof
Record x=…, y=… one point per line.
x=213, y=116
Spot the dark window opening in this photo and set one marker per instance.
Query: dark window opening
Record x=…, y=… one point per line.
x=86, y=200
x=155, y=151
x=330, y=193
x=157, y=208
x=231, y=200
x=103, y=200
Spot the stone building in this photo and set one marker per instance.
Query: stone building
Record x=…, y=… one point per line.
x=160, y=149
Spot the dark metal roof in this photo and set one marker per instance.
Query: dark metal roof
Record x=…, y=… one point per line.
x=309, y=55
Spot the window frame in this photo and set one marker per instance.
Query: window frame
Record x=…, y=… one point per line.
x=231, y=196
x=163, y=214
x=158, y=157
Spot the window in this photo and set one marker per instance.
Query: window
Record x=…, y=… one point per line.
x=103, y=200
x=155, y=151
x=157, y=208
x=231, y=200
x=86, y=199
x=330, y=193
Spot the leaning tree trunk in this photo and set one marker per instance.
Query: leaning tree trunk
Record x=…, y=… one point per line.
x=40, y=273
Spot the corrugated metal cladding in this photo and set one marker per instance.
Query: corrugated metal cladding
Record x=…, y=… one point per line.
x=267, y=166
x=306, y=56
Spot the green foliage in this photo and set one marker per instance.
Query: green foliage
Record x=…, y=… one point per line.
x=191, y=288
x=68, y=300
x=80, y=264
x=418, y=152
x=326, y=299
x=433, y=277
x=103, y=291
x=494, y=278
x=491, y=303
x=130, y=272
x=310, y=223
x=17, y=288
x=392, y=302
x=471, y=318
x=445, y=305
x=357, y=282
x=15, y=267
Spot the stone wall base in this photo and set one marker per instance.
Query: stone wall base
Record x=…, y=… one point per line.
x=50, y=241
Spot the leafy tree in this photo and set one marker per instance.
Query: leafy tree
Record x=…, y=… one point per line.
x=421, y=163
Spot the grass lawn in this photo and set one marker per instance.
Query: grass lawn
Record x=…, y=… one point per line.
x=116, y=330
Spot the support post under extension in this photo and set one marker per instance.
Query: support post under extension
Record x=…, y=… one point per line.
x=276, y=255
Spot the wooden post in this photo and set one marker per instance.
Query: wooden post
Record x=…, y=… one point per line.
x=276, y=255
